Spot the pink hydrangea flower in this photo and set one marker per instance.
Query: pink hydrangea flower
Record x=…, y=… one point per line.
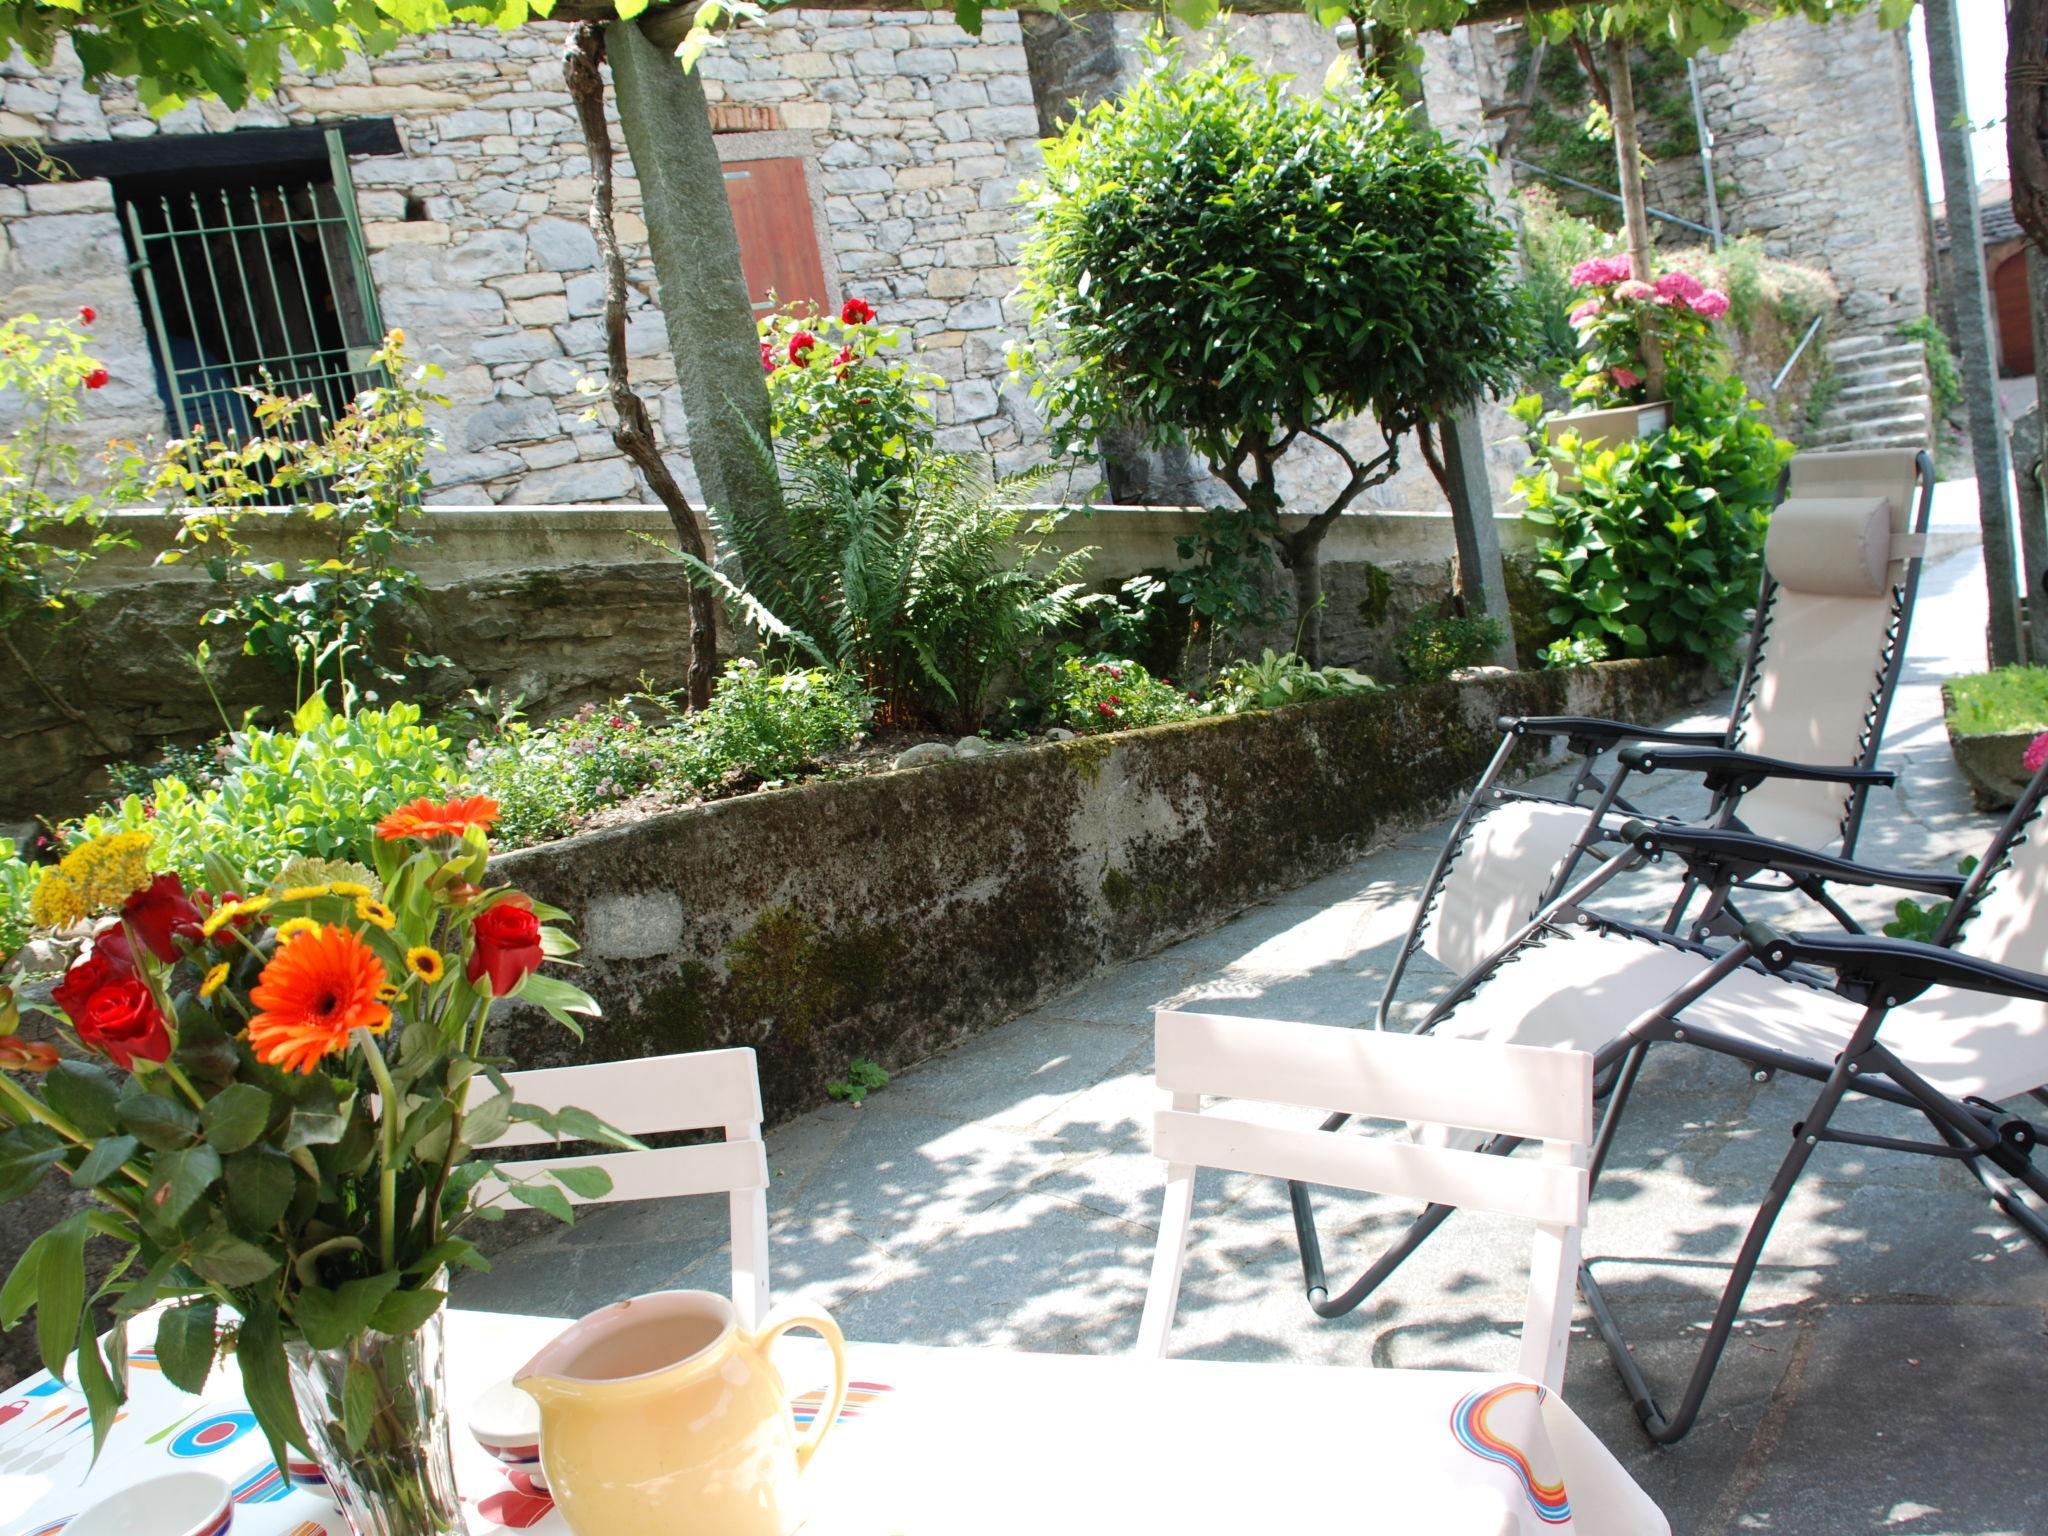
x=2037, y=753
x=1712, y=304
x=1601, y=271
x=1625, y=378
x=1675, y=287
x=1632, y=289
x=1583, y=314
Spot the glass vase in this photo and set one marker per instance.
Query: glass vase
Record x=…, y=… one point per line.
x=400, y=1479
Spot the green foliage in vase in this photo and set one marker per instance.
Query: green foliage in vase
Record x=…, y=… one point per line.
x=358, y=478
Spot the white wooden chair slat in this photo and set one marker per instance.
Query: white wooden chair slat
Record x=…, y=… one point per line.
x=720, y=1088
x=1525, y=1091
x=1539, y=1095
x=702, y=1090
x=1539, y=1192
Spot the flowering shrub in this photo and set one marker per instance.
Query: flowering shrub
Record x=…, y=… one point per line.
x=773, y=723
x=1619, y=312
x=830, y=386
x=1651, y=545
x=1110, y=693
x=273, y=1100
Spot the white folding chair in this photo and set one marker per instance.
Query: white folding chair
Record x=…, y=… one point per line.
x=1533, y=1094
x=702, y=1090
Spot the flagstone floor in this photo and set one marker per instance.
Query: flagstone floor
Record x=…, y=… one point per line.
x=1889, y=1377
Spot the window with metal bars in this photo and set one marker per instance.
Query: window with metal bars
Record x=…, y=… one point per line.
x=251, y=277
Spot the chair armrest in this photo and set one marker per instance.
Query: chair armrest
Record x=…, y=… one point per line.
x=1899, y=969
x=1723, y=768
x=1600, y=734
x=1744, y=855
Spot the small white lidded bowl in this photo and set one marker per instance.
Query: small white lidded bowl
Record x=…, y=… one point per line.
x=176, y=1504
x=506, y=1423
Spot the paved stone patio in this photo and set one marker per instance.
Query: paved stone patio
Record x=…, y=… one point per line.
x=1890, y=1372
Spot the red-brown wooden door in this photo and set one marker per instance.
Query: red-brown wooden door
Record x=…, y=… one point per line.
x=771, y=210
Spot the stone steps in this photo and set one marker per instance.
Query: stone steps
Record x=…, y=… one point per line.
x=1882, y=399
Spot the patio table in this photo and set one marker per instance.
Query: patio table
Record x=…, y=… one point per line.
x=956, y=1442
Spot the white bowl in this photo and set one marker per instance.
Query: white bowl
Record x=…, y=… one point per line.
x=506, y=1423
x=177, y=1504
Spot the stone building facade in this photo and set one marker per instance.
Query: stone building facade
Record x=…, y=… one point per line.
x=904, y=138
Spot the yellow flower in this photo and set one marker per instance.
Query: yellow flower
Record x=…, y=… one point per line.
x=92, y=877
x=229, y=911
x=292, y=927
x=215, y=980
x=306, y=893
x=388, y=994
x=371, y=910
x=349, y=888
x=425, y=963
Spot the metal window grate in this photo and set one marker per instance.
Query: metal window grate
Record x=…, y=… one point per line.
x=253, y=282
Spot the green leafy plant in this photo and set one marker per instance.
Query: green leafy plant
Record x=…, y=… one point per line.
x=308, y=791
x=1431, y=648
x=198, y=765
x=1225, y=580
x=18, y=881
x=1219, y=260
x=770, y=723
x=1942, y=378
x=1652, y=544
x=50, y=530
x=863, y=1077
x=1573, y=651
x=1274, y=681
x=360, y=477
x=1913, y=921
x=1114, y=693
x=928, y=589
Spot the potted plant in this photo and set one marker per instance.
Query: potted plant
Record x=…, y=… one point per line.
x=1992, y=719
x=272, y=1099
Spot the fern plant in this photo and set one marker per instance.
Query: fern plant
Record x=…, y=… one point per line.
x=928, y=588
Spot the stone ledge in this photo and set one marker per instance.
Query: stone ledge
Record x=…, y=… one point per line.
x=892, y=916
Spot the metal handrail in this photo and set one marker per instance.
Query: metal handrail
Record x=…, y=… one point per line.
x=1796, y=351
x=1613, y=197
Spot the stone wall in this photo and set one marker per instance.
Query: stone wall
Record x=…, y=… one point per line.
x=562, y=608
x=1818, y=153
x=830, y=921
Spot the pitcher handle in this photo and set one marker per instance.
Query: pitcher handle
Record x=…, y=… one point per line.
x=796, y=1315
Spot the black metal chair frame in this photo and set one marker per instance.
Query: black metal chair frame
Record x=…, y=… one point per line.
x=1879, y=973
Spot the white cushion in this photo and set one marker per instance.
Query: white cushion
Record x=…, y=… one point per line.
x=1836, y=546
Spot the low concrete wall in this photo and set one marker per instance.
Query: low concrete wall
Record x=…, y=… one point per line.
x=564, y=606
x=891, y=916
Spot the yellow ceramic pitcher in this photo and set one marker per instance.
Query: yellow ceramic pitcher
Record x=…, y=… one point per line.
x=661, y=1416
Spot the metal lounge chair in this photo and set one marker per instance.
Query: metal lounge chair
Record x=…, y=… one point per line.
x=1798, y=755
x=1954, y=1029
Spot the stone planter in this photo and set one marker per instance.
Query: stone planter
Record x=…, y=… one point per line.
x=1990, y=764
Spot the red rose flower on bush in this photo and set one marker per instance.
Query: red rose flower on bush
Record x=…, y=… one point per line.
x=97, y=379
x=800, y=345
x=161, y=913
x=857, y=312
x=121, y=1020
x=767, y=357
x=505, y=945
x=87, y=314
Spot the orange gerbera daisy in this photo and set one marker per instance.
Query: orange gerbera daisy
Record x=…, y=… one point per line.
x=312, y=993
x=425, y=818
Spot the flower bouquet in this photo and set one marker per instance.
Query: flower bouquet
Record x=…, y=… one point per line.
x=272, y=1100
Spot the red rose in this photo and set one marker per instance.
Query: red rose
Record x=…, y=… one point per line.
x=1104, y=710
x=87, y=975
x=121, y=1020
x=97, y=379
x=161, y=913
x=767, y=357
x=505, y=945
x=842, y=362
x=87, y=314
x=800, y=344
x=857, y=312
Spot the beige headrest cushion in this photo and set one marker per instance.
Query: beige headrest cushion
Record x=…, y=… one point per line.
x=1832, y=546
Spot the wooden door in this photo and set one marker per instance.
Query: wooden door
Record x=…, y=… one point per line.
x=2015, y=317
x=771, y=209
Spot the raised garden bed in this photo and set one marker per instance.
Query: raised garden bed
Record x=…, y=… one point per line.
x=889, y=916
x=1991, y=719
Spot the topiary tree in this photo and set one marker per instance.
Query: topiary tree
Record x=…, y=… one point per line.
x=1242, y=269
